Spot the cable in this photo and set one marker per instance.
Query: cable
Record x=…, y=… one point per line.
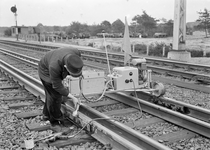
x=81, y=90
x=71, y=136
x=107, y=57
x=140, y=109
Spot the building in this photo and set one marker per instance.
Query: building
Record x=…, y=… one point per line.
x=22, y=30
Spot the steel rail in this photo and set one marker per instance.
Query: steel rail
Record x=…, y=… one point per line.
x=156, y=69
x=160, y=79
x=93, y=54
x=174, y=117
x=114, y=55
x=163, y=61
x=104, y=130
x=31, y=84
x=120, y=63
x=26, y=59
x=31, y=44
x=172, y=104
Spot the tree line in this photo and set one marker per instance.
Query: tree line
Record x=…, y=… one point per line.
x=143, y=24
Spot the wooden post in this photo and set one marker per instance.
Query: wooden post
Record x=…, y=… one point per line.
x=164, y=48
x=204, y=52
x=44, y=38
x=148, y=49
x=25, y=37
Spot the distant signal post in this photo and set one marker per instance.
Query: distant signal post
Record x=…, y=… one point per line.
x=14, y=10
x=179, y=33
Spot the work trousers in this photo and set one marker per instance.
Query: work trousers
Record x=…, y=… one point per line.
x=52, y=106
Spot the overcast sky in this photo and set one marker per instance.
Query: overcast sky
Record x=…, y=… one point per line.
x=64, y=12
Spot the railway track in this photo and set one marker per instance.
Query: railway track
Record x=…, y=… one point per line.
x=170, y=76
x=164, y=70
x=187, y=110
x=103, y=132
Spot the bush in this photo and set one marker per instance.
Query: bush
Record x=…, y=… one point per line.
x=141, y=48
x=157, y=49
x=208, y=54
x=90, y=44
x=196, y=53
x=8, y=32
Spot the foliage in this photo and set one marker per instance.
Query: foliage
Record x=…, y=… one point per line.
x=142, y=24
x=77, y=28
x=8, y=32
x=118, y=26
x=208, y=54
x=39, y=29
x=106, y=26
x=94, y=29
x=156, y=49
x=90, y=44
x=196, y=53
x=141, y=48
x=204, y=20
x=168, y=28
x=146, y=22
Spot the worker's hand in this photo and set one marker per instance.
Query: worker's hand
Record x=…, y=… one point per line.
x=75, y=100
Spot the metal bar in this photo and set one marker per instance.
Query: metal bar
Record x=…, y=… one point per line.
x=185, y=121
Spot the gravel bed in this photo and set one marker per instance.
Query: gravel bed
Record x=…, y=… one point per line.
x=196, y=143
x=159, y=129
x=132, y=117
x=13, y=131
x=107, y=108
x=193, y=97
x=24, y=51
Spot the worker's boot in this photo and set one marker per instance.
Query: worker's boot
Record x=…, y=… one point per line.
x=45, y=118
x=55, y=126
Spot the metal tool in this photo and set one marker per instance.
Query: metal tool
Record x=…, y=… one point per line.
x=75, y=113
x=55, y=136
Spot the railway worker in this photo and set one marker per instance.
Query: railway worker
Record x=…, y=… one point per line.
x=53, y=68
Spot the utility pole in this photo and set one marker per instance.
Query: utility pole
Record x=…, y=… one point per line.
x=14, y=10
x=179, y=33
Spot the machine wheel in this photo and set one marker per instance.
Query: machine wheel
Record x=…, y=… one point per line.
x=159, y=89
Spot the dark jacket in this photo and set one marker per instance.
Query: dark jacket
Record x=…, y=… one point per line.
x=52, y=70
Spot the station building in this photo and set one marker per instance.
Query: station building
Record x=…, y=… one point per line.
x=24, y=30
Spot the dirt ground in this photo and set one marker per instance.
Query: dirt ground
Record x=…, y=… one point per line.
x=192, y=43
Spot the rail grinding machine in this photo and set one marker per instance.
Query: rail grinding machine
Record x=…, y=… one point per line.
x=136, y=77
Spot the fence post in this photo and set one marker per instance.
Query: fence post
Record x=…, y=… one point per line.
x=25, y=38
x=164, y=48
x=204, y=52
x=133, y=48
x=148, y=49
x=111, y=46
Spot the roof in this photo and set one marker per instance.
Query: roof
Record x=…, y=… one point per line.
x=22, y=27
